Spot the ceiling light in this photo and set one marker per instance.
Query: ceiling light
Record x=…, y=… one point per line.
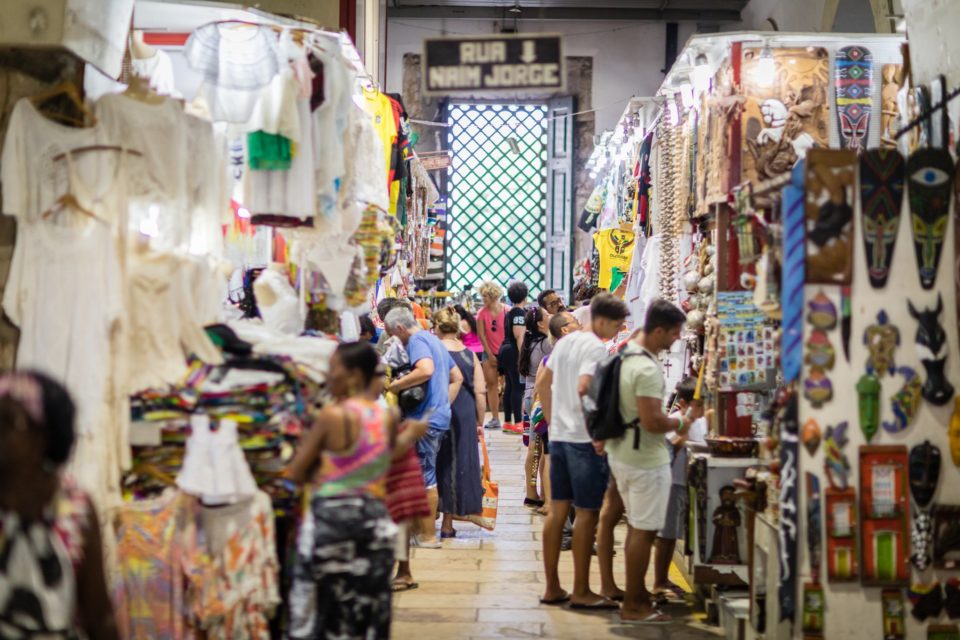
x=701, y=74
x=515, y=8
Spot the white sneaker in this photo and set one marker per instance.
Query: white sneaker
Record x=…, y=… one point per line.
x=493, y=423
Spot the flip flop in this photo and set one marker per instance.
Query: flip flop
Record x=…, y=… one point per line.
x=617, y=598
x=565, y=598
x=655, y=618
x=600, y=605
x=402, y=585
x=534, y=504
x=444, y=535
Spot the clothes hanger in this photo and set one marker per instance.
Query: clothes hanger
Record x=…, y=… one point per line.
x=68, y=90
x=96, y=147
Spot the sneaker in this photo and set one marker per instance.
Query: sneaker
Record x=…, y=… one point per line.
x=566, y=543
x=516, y=429
x=493, y=423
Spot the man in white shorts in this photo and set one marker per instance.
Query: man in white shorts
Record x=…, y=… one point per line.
x=639, y=460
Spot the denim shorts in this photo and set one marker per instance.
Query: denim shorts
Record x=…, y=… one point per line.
x=427, y=449
x=577, y=473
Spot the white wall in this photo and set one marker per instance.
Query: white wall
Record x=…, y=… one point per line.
x=627, y=56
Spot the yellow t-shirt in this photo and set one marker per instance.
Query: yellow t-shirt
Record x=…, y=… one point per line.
x=616, y=251
x=380, y=109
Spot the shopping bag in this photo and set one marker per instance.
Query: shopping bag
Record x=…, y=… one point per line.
x=491, y=491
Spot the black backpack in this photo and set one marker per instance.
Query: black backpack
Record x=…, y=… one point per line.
x=601, y=405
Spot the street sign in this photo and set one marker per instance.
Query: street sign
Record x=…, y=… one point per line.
x=493, y=64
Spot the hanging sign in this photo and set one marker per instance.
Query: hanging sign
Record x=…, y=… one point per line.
x=439, y=161
x=493, y=64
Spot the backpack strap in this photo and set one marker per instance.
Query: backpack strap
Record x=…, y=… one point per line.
x=635, y=425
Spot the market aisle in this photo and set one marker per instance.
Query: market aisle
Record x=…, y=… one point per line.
x=487, y=584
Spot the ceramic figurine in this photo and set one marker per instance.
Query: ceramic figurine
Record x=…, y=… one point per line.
x=881, y=339
x=954, y=432
x=820, y=353
x=894, y=622
x=836, y=464
x=853, y=81
x=930, y=178
x=905, y=402
x=924, y=477
x=810, y=436
x=823, y=313
x=868, y=390
x=726, y=521
x=932, y=349
x=881, y=199
x=817, y=388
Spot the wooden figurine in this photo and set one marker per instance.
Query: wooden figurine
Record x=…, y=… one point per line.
x=726, y=521
x=894, y=620
x=882, y=340
x=930, y=179
x=884, y=516
x=829, y=216
x=932, y=347
x=892, y=75
x=946, y=536
x=853, y=81
x=881, y=199
x=906, y=402
x=924, y=477
x=813, y=606
x=868, y=401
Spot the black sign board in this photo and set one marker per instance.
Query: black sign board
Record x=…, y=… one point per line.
x=494, y=64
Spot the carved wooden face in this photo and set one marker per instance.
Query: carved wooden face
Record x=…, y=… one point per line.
x=931, y=337
x=881, y=197
x=853, y=74
x=924, y=473
x=930, y=180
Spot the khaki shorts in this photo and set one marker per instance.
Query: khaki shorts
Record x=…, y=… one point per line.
x=645, y=494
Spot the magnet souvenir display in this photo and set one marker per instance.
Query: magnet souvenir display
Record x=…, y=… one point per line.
x=868, y=404
x=810, y=436
x=932, y=348
x=946, y=536
x=930, y=182
x=836, y=465
x=884, y=517
x=853, y=81
x=882, y=340
x=894, y=618
x=813, y=606
x=829, y=216
x=881, y=199
x=820, y=353
x=906, y=402
x=924, y=477
x=814, y=521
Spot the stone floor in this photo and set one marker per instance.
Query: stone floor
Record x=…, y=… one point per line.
x=487, y=584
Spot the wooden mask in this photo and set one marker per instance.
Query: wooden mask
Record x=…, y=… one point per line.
x=853, y=81
x=924, y=473
x=881, y=198
x=829, y=216
x=930, y=180
x=932, y=349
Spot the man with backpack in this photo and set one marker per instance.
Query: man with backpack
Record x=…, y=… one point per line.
x=578, y=473
x=638, y=456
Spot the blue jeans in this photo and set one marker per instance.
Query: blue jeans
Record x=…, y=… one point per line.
x=427, y=449
x=578, y=474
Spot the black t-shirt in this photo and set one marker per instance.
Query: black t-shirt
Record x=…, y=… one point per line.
x=515, y=318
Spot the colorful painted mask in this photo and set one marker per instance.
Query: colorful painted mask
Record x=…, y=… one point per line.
x=930, y=180
x=836, y=464
x=823, y=313
x=905, y=402
x=881, y=198
x=932, y=348
x=817, y=388
x=924, y=473
x=868, y=390
x=881, y=339
x=853, y=76
x=820, y=354
x=810, y=436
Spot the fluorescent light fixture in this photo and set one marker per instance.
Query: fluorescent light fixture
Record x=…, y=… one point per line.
x=766, y=67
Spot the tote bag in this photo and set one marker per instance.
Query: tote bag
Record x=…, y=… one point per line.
x=487, y=519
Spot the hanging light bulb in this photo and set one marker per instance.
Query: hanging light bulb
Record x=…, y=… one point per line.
x=766, y=67
x=701, y=74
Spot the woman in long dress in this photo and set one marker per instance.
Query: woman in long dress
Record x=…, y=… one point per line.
x=458, y=464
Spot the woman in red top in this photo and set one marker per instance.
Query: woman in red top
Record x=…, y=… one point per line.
x=491, y=330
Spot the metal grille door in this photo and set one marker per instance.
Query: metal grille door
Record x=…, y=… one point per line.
x=497, y=194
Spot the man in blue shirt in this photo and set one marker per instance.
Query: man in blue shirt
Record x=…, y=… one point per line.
x=432, y=365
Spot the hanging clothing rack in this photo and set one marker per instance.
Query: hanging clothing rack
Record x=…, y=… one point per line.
x=926, y=115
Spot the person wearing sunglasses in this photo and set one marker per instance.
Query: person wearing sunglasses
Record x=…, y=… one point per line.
x=550, y=301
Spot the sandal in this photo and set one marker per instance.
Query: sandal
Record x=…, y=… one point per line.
x=445, y=535
x=399, y=584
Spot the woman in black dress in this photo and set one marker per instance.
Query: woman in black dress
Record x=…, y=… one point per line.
x=458, y=463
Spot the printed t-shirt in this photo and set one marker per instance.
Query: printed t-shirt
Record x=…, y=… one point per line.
x=640, y=377
x=514, y=319
x=493, y=327
x=422, y=345
x=380, y=108
x=616, y=252
x=575, y=355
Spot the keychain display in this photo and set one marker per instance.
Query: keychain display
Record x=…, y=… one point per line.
x=881, y=200
x=931, y=342
x=868, y=404
x=930, y=181
x=906, y=402
x=882, y=340
x=924, y=478
x=853, y=82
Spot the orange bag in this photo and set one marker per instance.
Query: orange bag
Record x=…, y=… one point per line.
x=491, y=492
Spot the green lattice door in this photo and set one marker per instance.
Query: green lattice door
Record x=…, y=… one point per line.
x=497, y=194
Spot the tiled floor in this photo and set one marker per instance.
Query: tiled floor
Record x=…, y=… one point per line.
x=487, y=584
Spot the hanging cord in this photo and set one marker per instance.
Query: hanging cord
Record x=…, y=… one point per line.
x=926, y=115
